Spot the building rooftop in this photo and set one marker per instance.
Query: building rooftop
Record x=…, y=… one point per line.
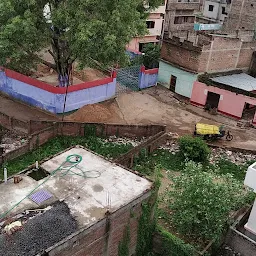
x=241, y=81
x=86, y=187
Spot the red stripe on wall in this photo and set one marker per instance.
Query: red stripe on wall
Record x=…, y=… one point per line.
x=227, y=114
x=52, y=89
x=151, y=71
x=196, y=103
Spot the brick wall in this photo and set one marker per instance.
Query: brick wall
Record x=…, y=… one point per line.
x=11, y=123
x=76, y=129
x=241, y=16
x=104, y=237
x=150, y=145
x=183, y=54
x=219, y=54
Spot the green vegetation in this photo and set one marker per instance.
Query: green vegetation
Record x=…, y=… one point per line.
x=198, y=203
x=174, y=246
x=150, y=57
x=86, y=32
x=54, y=146
x=201, y=201
x=123, y=247
x=147, y=221
x=238, y=171
x=194, y=149
x=166, y=160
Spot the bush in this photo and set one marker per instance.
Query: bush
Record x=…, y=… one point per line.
x=194, y=149
x=174, y=246
x=201, y=202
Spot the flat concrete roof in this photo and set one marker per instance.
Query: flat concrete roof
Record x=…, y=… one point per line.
x=89, y=189
x=241, y=81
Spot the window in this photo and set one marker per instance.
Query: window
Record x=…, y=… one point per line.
x=223, y=10
x=184, y=19
x=141, y=45
x=210, y=9
x=150, y=24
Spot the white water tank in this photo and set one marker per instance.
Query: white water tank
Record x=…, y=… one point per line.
x=250, y=178
x=250, y=181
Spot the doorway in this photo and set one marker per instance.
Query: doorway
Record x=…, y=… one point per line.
x=173, y=81
x=248, y=112
x=212, y=100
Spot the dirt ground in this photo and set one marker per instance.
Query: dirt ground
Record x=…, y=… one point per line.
x=23, y=112
x=157, y=105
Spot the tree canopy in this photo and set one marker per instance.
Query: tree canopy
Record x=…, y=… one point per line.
x=72, y=30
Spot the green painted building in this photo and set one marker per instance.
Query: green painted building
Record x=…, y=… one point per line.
x=176, y=79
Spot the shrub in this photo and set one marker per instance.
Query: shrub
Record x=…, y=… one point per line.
x=173, y=245
x=201, y=202
x=194, y=149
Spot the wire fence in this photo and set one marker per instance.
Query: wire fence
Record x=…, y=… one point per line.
x=128, y=79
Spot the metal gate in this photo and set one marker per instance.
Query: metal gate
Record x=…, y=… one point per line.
x=128, y=79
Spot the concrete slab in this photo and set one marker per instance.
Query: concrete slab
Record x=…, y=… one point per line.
x=89, y=188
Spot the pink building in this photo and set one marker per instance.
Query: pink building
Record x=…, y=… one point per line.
x=154, y=25
x=231, y=103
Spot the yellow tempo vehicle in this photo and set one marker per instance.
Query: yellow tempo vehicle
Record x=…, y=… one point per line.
x=211, y=132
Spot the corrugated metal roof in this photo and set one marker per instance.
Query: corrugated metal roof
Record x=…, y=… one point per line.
x=241, y=81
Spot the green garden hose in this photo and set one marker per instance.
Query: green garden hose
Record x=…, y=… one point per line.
x=74, y=160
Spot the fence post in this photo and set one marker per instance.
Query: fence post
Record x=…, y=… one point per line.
x=142, y=77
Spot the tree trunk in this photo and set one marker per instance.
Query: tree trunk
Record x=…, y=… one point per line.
x=61, y=53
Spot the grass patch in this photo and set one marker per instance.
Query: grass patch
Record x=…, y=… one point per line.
x=238, y=171
x=160, y=157
x=60, y=143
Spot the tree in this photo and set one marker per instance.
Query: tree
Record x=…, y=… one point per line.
x=72, y=30
x=201, y=202
x=149, y=57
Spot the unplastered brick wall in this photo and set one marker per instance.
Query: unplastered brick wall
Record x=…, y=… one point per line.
x=183, y=54
x=10, y=123
x=103, y=238
x=213, y=53
x=226, y=53
x=80, y=129
x=242, y=15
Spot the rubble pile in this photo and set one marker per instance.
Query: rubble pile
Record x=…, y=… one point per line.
x=12, y=141
x=238, y=158
x=120, y=141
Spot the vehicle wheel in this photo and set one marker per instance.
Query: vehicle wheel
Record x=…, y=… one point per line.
x=206, y=137
x=229, y=137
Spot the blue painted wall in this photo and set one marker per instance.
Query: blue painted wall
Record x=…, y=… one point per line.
x=147, y=80
x=54, y=102
x=77, y=99
x=184, y=82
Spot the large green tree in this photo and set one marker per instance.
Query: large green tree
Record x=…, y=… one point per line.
x=72, y=30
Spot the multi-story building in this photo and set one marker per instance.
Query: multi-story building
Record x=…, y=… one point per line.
x=242, y=15
x=214, y=11
x=155, y=25
x=180, y=17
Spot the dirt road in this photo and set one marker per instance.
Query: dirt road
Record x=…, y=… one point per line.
x=157, y=105
x=22, y=111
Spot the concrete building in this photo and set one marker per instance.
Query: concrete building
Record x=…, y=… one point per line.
x=214, y=11
x=182, y=60
x=180, y=17
x=228, y=94
x=241, y=16
x=155, y=25
x=76, y=204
